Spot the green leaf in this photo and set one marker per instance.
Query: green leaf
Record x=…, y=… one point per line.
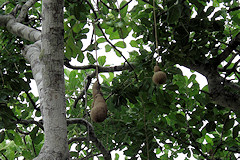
x=77, y=28
x=34, y=132
x=101, y=60
x=210, y=10
x=39, y=138
x=117, y=53
x=229, y=124
x=211, y=126
x=121, y=44
x=116, y=156
x=72, y=75
x=38, y=113
x=108, y=48
x=91, y=59
x=17, y=139
x=101, y=40
x=134, y=43
x=119, y=24
x=236, y=130
x=174, y=13
x=209, y=140
x=27, y=154
x=91, y=47
x=80, y=56
x=10, y=136
x=123, y=11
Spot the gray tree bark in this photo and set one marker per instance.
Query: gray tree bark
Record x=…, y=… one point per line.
x=53, y=98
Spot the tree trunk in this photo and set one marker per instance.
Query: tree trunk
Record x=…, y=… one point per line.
x=53, y=105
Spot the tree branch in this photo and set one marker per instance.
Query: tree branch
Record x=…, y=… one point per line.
x=15, y=10
x=187, y=143
x=92, y=136
x=233, y=9
x=224, y=93
x=116, y=8
x=31, y=100
x=114, y=47
x=100, y=68
x=27, y=122
x=4, y=4
x=98, y=24
x=24, y=133
x=89, y=77
x=77, y=139
x=24, y=11
x=229, y=71
x=89, y=80
x=232, y=45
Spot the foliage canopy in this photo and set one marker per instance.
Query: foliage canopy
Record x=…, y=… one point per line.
x=145, y=120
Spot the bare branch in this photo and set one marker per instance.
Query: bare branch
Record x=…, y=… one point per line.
x=24, y=10
x=92, y=136
x=100, y=68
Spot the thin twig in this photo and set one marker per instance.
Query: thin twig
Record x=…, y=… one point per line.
x=4, y=156
x=77, y=139
x=20, y=131
x=89, y=80
x=116, y=8
x=31, y=100
x=4, y=4
x=98, y=24
x=27, y=122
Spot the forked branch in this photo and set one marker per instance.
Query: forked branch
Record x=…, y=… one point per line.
x=92, y=136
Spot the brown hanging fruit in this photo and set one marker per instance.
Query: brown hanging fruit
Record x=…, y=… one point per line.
x=96, y=88
x=99, y=110
x=159, y=77
x=156, y=68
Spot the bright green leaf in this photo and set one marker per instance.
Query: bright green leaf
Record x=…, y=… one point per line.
x=108, y=48
x=121, y=44
x=123, y=11
x=101, y=60
x=134, y=43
